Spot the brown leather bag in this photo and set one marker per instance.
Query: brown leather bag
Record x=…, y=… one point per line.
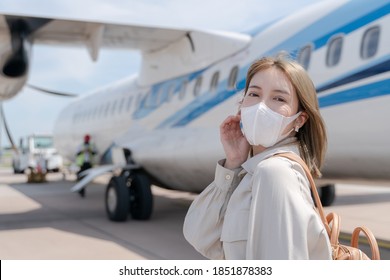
x=332, y=225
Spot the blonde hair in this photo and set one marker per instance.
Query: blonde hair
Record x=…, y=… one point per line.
x=312, y=135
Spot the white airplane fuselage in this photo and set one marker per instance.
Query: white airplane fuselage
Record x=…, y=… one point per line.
x=171, y=126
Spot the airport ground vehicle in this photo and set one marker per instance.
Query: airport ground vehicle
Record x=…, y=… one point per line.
x=37, y=152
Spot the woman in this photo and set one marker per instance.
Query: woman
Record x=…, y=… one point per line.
x=261, y=207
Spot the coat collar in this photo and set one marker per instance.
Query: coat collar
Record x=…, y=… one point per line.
x=287, y=145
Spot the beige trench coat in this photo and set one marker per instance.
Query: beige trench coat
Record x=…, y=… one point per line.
x=269, y=214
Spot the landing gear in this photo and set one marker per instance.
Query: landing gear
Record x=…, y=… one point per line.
x=117, y=199
x=327, y=194
x=141, y=198
x=129, y=193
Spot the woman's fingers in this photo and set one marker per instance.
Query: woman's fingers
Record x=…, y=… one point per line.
x=231, y=123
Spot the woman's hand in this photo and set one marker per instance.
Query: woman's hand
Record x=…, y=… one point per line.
x=234, y=143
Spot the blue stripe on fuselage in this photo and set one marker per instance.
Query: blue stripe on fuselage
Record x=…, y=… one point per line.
x=351, y=16
x=348, y=13
x=375, y=67
x=371, y=90
x=344, y=20
x=205, y=103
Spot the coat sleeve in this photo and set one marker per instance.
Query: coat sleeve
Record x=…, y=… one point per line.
x=282, y=221
x=203, y=222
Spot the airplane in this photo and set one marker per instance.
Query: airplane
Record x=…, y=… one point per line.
x=161, y=126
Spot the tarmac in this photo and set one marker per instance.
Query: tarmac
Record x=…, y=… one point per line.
x=44, y=221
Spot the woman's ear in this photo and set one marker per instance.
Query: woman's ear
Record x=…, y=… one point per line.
x=301, y=120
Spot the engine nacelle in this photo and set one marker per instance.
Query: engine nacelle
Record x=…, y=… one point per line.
x=14, y=78
x=16, y=65
x=14, y=62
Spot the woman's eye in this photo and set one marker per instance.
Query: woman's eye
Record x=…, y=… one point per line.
x=280, y=99
x=252, y=94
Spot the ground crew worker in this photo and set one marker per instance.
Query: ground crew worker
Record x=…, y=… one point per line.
x=84, y=158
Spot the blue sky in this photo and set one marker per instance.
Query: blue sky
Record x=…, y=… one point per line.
x=72, y=70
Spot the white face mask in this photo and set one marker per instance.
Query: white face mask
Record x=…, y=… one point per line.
x=262, y=126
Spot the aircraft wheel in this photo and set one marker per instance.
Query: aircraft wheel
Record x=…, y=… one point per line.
x=141, y=198
x=117, y=199
x=327, y=194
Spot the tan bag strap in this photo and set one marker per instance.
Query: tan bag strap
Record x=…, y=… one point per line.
x=375, y=255
x=296, y=158
x=334, y=219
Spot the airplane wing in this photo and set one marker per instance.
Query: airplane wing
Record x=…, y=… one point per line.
x=194, y=48
x=93, y=35
x=90, y=174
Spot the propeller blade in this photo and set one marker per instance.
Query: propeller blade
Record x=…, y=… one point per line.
x=2, y=116
x=63, y=94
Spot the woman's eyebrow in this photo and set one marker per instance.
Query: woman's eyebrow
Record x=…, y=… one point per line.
x=282, y=91
x=254, y=86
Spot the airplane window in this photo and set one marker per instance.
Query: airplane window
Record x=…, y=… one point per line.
x=139, y=98
x=183, y=89
x=129, y=101
x=101, y=112
x=160, y=98
x=107, y=108
x=334, y=51
x=121, y=105
x=233, y=77
x=198, y=85
x=370, y=42
x=147, y=100
x=304, y=56
x=113, y=108
x=89, y=113
x=151, y=99
x=171, y=92
x=95, y=112
x=214, y=82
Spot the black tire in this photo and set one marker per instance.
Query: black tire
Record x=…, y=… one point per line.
x=140, y=196
x=117, y=199
x=327, y=194
x=14, y=167
x=17, y=171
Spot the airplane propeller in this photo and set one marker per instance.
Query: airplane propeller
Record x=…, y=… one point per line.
x=58, y=93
